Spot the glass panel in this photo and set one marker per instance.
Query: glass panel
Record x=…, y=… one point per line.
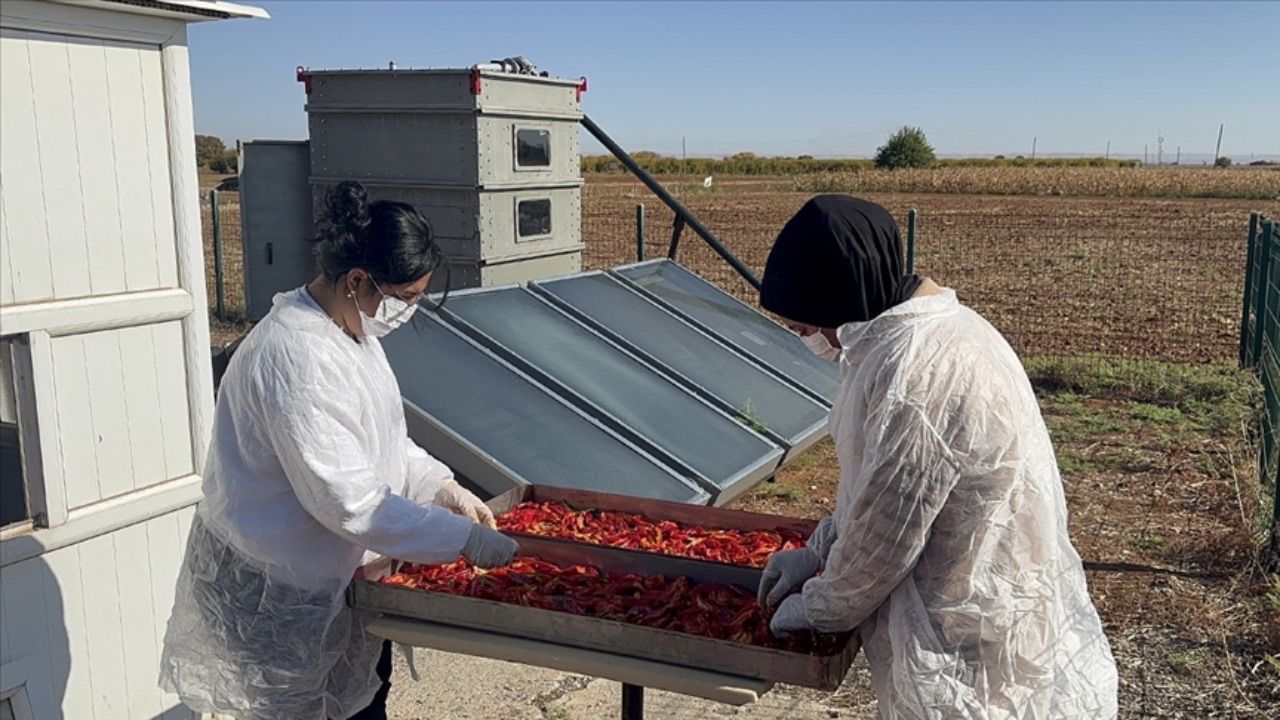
x=747, y=329
x=8, y=395
x=534, y=217
x=755, y=393
x=515, y=422
x=533, y=147
x=13, y=488
x=702, y=438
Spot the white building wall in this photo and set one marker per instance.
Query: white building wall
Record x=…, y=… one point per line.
x=83, y=624
x=122, y=411
x=101, y=274
x=87, y=204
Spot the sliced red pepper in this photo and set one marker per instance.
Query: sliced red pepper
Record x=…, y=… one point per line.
x=625, y=530
x=718, y=611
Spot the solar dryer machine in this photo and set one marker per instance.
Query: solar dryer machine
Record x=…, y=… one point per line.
x=644, y=380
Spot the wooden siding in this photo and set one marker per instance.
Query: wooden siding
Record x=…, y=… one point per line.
x=122, y=411
x=87, y=622
x=84, y=181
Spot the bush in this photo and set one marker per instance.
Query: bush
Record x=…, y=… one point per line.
x=907, y=148
x=1223, y=161
x=208, y=149
x=225, y=162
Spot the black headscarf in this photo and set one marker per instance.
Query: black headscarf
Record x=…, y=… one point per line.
x=838, y=260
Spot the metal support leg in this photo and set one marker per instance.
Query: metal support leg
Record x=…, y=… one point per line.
x=632, y=702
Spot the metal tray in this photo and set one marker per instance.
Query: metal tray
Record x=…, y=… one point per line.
x=684, y=513
x=712, y=518
x=817, y=671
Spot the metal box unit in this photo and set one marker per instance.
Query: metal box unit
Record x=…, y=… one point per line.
x=276, y=228
x=491, y=157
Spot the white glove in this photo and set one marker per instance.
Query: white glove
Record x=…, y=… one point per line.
x=458, y=499
x=823, y=537
x=489, y=548
x=786, y=571
x=790, y=618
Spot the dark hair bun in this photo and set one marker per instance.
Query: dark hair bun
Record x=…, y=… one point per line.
x=348, y=205
x=391, y=241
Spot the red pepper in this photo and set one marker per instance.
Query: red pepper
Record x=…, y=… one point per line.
x=718, y=611
x=750, y=548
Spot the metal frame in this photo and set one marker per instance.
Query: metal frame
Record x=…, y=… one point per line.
x=684, y=513
x=485, y=470
x=744, y=352
x=683, y=215
x=612, y=636
x=735, y=485
x=792, y=446
x=632, y=672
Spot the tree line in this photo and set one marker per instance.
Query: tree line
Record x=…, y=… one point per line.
x=213, y=154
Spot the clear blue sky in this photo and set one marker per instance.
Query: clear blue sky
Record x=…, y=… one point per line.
x=786, y=79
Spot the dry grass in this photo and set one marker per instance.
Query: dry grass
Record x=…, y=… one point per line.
x=1242, y=183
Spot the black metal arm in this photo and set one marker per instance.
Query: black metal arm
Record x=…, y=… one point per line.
x=682, y=213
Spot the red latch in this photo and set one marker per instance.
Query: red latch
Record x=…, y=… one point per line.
x=476, y=84
x=582, y=87
x=304, y=77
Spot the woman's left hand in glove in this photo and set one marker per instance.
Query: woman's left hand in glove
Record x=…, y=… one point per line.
x=458, y=499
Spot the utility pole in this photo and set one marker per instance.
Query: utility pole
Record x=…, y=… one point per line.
x=1144, y=154
x=1108, y=155
x=684, y=157
x=1033, y=147
x=1218, y=152
x=1160, y=148
x=1179, y=160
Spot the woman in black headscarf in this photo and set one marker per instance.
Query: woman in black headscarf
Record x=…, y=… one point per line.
x=948, y=549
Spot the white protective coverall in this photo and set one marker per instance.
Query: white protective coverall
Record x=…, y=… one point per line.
x=952, y=556
x=310, y=467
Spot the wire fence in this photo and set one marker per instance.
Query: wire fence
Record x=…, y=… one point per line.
x=1059, y=277
x=1259, y=348
x=223, y=254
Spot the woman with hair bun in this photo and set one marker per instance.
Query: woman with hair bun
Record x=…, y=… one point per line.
x=309, y=471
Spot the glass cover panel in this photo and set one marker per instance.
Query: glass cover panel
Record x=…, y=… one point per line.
x=756, y=394
x=747, y=329
x=514, y=421
x=702, y=438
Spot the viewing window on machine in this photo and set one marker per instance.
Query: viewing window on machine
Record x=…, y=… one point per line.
x=533, y=218
x=533, y=148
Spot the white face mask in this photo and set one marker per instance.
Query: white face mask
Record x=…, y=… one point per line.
x=392, y=312
x=822, y=347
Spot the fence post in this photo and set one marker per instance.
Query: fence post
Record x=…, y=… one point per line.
x=640, y=232
x=1275, y=522
x=1260, y=309
x=217, y=251
x=1248, y=291
x=677, y=227
x=911, y=241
